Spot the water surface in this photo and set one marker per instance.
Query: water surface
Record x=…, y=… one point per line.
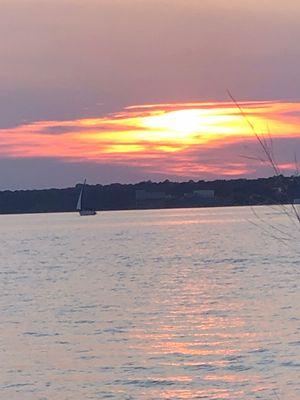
x=164, y=304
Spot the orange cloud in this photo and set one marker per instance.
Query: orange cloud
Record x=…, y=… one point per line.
x=183, y=139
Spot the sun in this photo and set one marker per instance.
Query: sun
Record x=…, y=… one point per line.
x=182, y=121
x=190, y=125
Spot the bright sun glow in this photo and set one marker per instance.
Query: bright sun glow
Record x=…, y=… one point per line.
x=202, y=125
x=185, y=124
x=183, y=121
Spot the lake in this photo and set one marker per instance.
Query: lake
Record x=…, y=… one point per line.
x=160, y=304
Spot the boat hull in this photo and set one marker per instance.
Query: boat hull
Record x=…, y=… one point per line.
x=84, y=213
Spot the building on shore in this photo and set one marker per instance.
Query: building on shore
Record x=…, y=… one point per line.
x=204, y=194
x=145, y=199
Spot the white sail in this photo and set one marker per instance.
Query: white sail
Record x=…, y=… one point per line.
x=79, y=202
x=83, y=211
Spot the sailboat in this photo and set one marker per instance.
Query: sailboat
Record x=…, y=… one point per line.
x=79, y=207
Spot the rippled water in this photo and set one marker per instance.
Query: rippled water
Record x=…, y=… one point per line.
x=165, y=304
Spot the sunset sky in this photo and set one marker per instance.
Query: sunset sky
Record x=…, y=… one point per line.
x=131, y=90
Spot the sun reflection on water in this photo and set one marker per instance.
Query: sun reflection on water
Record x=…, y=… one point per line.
x=207, y=339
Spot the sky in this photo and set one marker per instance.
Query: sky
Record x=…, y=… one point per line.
x=131, y=90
